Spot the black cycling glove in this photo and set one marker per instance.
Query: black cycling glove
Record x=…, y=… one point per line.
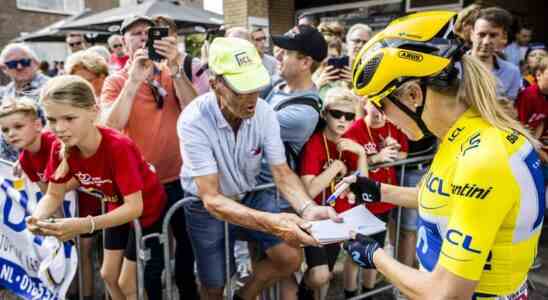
x=366, y=190
x=361, y=250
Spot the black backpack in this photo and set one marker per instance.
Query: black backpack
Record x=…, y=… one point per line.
x=291, y=155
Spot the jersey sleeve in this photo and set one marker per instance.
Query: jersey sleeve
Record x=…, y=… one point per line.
x=27, y=167
x=482, y=194
x=309, y=163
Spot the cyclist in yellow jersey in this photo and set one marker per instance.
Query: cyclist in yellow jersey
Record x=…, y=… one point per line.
x=481, y=204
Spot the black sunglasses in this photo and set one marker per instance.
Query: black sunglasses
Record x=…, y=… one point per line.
x=75, y=44
x=12, y=64
x=337, y=114
x=116, y=46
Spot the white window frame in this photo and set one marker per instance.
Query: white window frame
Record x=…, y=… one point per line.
x=64, y=11
x=456, y=6
x=344, y=6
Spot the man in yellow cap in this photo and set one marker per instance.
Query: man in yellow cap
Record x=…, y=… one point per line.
x=224, y=135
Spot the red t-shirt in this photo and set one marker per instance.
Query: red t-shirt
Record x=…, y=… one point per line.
x=116, y=170
x=118, y=62
x=372, y=140
x=314, y=161
x=532, y=107
x=34, y=164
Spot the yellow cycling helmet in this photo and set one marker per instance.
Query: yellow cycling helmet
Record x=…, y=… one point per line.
x=415, y=46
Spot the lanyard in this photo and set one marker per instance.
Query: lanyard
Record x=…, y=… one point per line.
x=332, y=183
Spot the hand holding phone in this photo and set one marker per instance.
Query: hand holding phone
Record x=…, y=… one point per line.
x=338, y=62
x=155, y=33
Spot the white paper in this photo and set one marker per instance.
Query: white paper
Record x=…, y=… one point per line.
x=358, y=219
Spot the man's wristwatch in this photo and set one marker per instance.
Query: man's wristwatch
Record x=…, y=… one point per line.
x=179, y=73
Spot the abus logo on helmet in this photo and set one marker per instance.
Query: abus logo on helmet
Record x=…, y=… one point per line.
x=410, y=56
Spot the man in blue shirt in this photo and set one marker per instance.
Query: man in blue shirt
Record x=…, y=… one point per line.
x=490, y=27
x=224, y=135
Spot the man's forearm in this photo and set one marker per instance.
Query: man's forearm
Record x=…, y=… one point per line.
x=229, y=210
x=292, y=189
x=116, y=115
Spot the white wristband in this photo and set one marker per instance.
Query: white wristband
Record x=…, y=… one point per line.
x=306, y=205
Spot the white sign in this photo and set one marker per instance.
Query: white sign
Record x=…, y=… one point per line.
x=31, y=266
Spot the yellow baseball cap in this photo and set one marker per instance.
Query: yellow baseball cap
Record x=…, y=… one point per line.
x=238, y=61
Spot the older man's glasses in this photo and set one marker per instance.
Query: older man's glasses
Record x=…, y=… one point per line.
x=75, y=44
x=12, y=64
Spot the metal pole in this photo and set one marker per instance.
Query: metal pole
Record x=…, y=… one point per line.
x=398, y=219
x=227, y=261
x=103, y=210
x=79, y=245
x=164, y=238
x=140, y=256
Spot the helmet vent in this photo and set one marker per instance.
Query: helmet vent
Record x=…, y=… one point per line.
x=369, y=70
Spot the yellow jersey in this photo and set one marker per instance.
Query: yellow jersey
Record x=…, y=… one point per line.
x=481, y=206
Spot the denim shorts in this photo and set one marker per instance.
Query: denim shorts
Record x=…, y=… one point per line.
x=409, y=215
x=207, y=237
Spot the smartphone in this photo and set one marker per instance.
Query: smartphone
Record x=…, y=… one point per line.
x=155, y=33
x=338, y=62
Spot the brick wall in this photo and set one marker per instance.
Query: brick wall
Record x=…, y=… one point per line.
x=235, y=12
x=282, y=14
x=13, y=20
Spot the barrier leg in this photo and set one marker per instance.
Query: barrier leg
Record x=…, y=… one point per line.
x=141, y=257
x=164, y=238
x=79, y=247
x=228, y=285
x=103, y=210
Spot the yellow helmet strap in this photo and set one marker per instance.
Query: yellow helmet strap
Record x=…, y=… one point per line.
x=414, y=115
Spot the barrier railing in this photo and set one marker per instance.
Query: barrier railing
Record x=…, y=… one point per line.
x=164, y=236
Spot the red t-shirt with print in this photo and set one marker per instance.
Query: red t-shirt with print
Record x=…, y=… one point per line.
x=34, y=164
x=372, y=139
x=117, y=169
x=314, y=160
x=532, y=108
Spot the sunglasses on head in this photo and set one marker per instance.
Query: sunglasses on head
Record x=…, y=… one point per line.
x=337, y=114
x=12, y=64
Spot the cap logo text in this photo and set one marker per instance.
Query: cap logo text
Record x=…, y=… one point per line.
x=410, y=56
x=242, y=58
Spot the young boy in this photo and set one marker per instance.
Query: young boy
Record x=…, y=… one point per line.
x=22, y=128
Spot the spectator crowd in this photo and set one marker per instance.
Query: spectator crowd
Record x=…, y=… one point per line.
x=215, y=127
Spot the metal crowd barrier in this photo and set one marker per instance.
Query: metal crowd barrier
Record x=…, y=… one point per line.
x=164, y=239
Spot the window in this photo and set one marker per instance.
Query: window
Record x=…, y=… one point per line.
x=417, y=5
x=68, y=7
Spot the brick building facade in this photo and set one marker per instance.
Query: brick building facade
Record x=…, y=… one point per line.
x=14, y=20
x=280, y=15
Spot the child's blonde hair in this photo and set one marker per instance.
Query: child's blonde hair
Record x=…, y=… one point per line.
x=69, y=90
x=340, y=95
x=24, y=105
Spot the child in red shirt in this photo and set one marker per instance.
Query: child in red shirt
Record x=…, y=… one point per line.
x=383, y=143
x=322, y=165
x=106, y=163
x=532, y=105
x=22, y=128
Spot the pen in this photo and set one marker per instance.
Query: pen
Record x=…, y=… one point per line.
x=340, y=189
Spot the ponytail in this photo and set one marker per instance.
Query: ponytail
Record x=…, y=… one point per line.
x=63, y=167
x=478, y=89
